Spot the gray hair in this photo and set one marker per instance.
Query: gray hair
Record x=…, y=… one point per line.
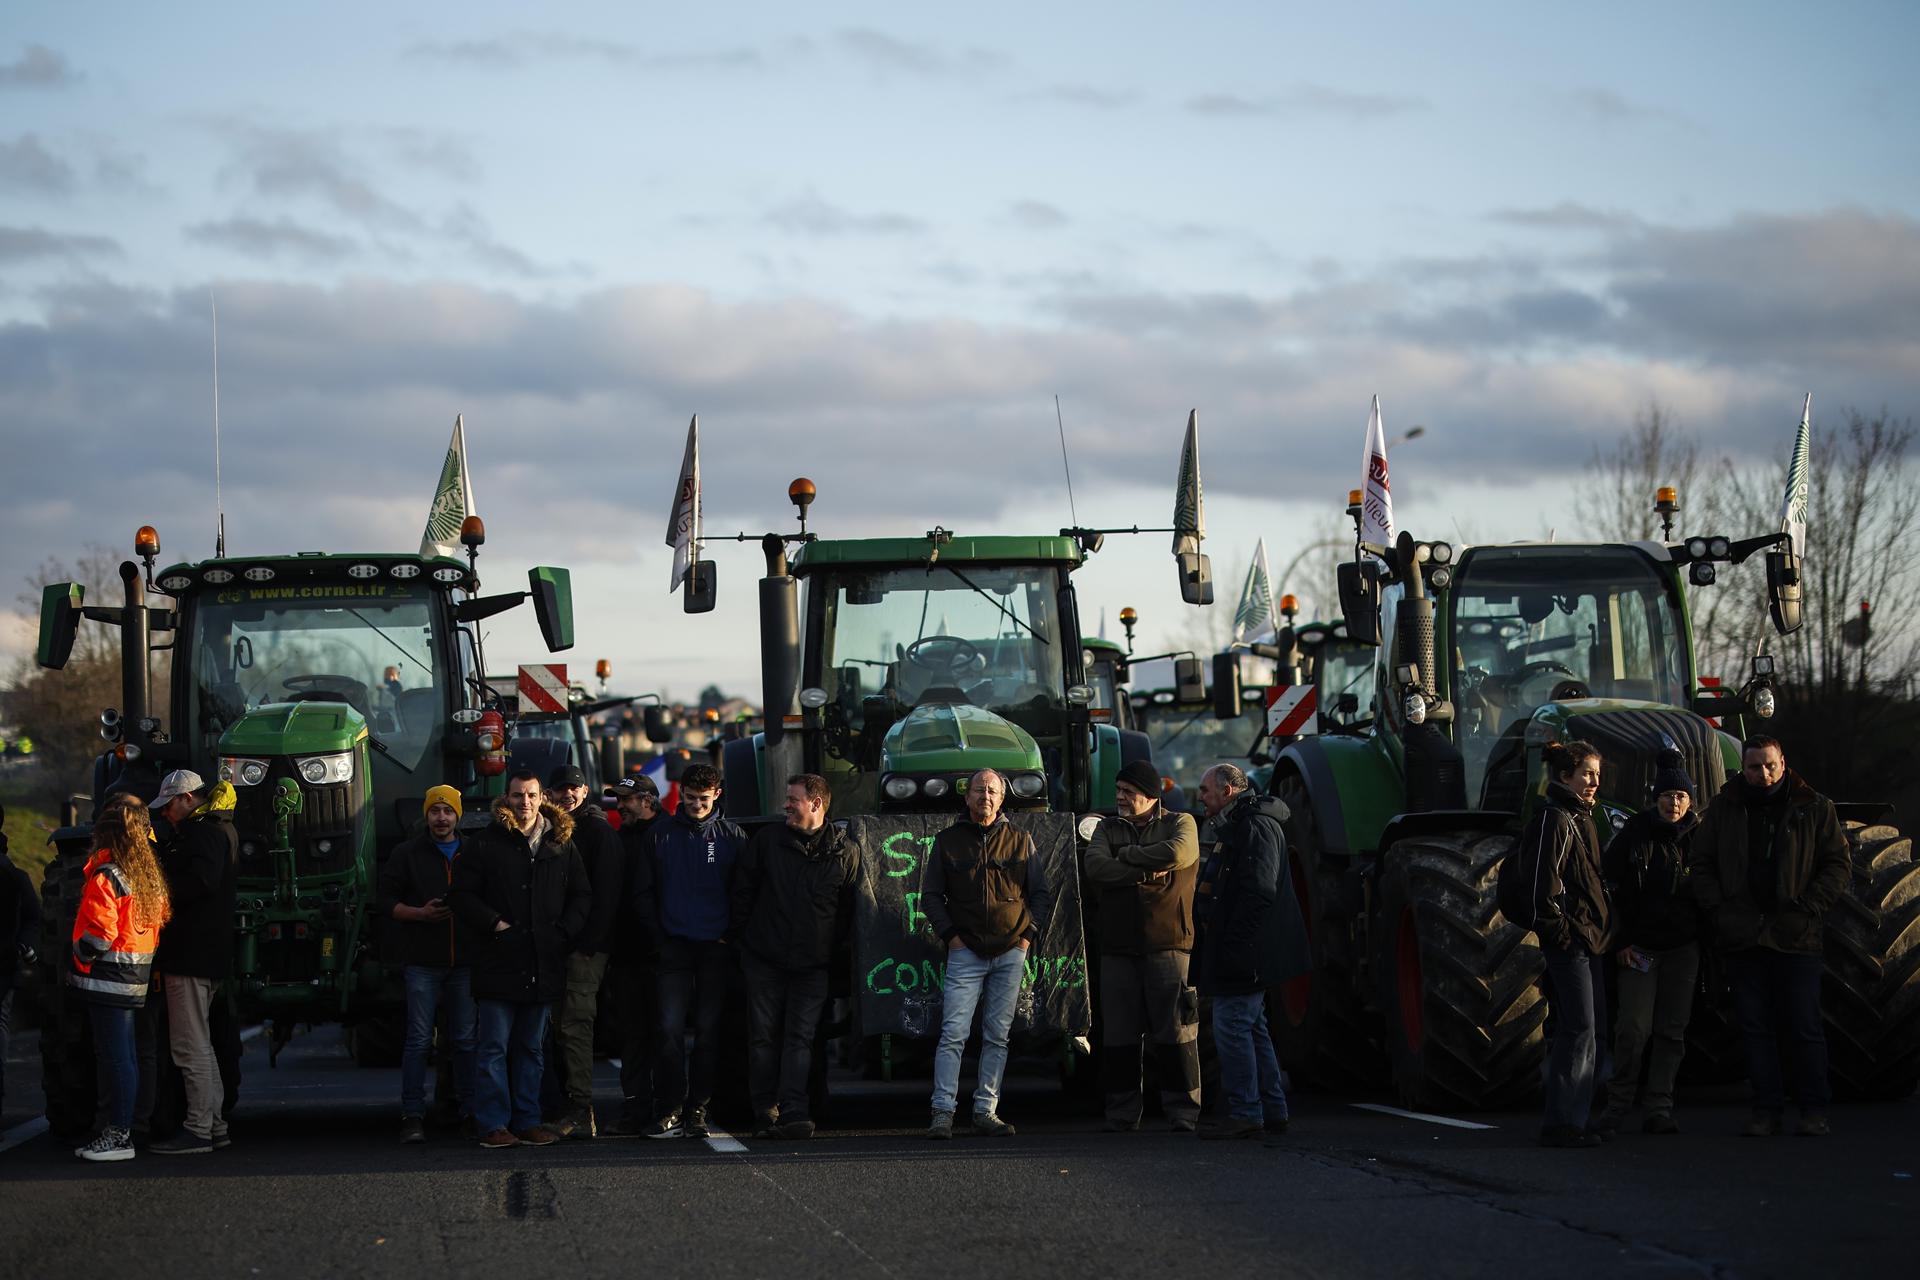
x=989, y=773
x=1230, y=776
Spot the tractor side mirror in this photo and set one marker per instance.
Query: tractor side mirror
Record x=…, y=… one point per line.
x=1226, y=687
x=1783, y=591
x=1196, y=578
x=657, y=722
x=552, y=592
x=701, y=589
x=60, y=605
x=1189, y=681
x=1359, y=603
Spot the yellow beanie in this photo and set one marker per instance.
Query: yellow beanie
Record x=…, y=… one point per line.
x=441, y=794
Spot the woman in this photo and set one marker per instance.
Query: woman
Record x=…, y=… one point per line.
x=1647, y=866
x=1559, y=862
x=122, y=908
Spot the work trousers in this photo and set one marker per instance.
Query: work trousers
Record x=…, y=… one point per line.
x=1654, y=1008
x=634, y=985
x=578, y=1009
x=786, y=1005
x=1776, y=996
x=1147, y=996
x=190, y=1039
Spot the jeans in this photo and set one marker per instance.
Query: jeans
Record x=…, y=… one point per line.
x=1655, y=1004
x=786, y=1005
x=635, y=994
x=115, y=1069
x=693, y=978
x=972, y=982
x=1249, y=1069
x=510, y=1050
x=1776, y=996
x=578, y=1009
x=190, y=1041
x=1147, y=996
x=427, y=986
x=1579, y=993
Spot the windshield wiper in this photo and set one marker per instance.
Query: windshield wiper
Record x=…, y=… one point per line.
x=405, y=652
x=387, y=751
x=988, y=597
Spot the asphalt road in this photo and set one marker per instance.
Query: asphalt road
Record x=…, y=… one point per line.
x=315, y=1184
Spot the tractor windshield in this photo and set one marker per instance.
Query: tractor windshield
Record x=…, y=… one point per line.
x=1343, y=675
x=265, y=644
x=985, y=634
x=1187, y=741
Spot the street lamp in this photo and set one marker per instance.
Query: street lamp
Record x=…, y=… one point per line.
x=1413, y=432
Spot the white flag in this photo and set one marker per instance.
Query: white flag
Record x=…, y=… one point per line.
x=1793, y=503
x=1376, y=499
x=683, y=527
x=1254, y=617
x=452, y=499
x=1189, y=511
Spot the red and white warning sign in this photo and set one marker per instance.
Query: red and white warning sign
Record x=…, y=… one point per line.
x=1293, y=710
x=543, y=687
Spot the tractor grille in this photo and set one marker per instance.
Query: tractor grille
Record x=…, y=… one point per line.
x=1630, y=744
x=326, y=814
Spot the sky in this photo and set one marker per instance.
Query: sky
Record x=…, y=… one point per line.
x=871, y=245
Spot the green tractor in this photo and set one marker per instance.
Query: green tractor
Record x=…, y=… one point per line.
x=1400, y=822
x=331, y=691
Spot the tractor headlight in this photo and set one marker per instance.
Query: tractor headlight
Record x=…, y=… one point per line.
x=1443, y=553
x=1702, y=574
x=934, y=788
x=813, y=697
x=1696, y=548
x=1719, y=548
x=1763, y=703
x=242, y=771
x=1028, y=786
x=321, y=770
x=898, y=788
x=1416, y=709
x=1441, y=578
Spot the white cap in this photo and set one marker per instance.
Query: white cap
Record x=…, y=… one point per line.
x=178, y=783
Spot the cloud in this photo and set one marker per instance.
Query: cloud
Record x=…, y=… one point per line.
x=258, y=238
x=1609, y=107
x=37, y=67
x=1037, y=215
x=27, y=244
x=1567, y=216
x=26, y=166
x=1094, y=97
x=1308, y=100
x=890, y=54
x=521, y=49
x=812, y=216
x=435, y=153
x=304, y=164
x=466, y=226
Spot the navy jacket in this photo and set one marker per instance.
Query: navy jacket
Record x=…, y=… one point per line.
x=692, y=865
x=19, y=913
x=1251, y=934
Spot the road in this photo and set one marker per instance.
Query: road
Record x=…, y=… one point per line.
x=315, y=1184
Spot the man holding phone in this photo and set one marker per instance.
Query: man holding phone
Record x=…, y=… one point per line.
x=414, y=883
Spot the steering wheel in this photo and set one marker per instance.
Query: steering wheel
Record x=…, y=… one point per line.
x=315, y=688
x=1534, y=670
x=945, y=655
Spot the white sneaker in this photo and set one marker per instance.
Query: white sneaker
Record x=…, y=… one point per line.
x=112, y=1144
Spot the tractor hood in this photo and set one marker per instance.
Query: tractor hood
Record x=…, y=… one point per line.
x=1630, y=737
x=943, y=736
x=294, y=728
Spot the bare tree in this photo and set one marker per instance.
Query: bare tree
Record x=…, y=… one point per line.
x=1616, y=501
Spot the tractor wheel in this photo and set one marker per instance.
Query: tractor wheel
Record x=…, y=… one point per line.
x=1322, y=1027
x=66, y=1030
x=1459, y=985
x=1715, y=1053
x=1871, y=997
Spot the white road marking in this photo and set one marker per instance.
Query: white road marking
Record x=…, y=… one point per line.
x=725, y=1143
x=22, y=1132
x=1449, y=1121
x=254, y=1032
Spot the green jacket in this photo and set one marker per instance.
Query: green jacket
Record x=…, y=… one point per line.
x=1812, y=865
x=1143, y=876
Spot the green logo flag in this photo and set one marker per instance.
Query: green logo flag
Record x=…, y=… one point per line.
x=1254, y=617
x=1189, y=514
x=452, y=499
x=1793, y=503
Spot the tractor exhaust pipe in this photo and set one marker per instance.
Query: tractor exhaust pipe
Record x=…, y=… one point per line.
x=135, y=648
x=779, y=640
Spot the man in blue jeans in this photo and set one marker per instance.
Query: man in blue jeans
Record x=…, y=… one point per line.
x=987, y=898
x=520, y=888
x=1250, y=939
x=416, y=882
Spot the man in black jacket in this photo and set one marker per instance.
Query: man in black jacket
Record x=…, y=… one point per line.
x=522, y=890
x=201, y=861
x=604, y=859
x=633, y=961
x=416, y=881
x=792, y=898
x=19, y=927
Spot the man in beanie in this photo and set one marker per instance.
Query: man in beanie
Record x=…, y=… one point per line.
x=200, y=858
x=413, y=889
x=1646, y=863
x=634, y=961
x=605, y=861
x=1142, y=865
x=1769, y=861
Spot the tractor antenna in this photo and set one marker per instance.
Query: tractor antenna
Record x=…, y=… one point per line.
x=1064, y=464
x=220, y=511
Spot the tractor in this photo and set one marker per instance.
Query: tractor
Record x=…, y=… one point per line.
x=1399, y=822
x=331, y=691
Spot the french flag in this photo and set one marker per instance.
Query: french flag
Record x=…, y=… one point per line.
x=669, y=791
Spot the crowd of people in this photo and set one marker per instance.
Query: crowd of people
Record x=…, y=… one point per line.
x=514, y=936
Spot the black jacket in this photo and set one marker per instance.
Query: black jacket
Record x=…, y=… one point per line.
x=1251, y=936
x=201, y=861
x=792, y=895
x=1812, y=867
x=634, y=938
x=605, y=860
x=1559, y=866
x=415, y=873
x=542, y=895
x=19, y=913
x=1646, y=867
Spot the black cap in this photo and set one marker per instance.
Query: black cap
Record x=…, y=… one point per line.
x=1142, y=777
x=641, y=786
x=566, y=775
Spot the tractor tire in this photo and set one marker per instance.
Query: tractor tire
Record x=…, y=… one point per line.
x=66, y=1031
x=1459, y=985
x=1323, y=1029
x=1871, y=995
x=1716, y=1055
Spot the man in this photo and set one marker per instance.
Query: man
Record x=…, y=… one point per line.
x=1251, y=938
x=792, y=901
x=987, y=898
x=521, y=889
x=633, y=962
x=415, y=884
x=605, y=861
x=1768, y=862
x=19, y=929
x=686, y=907
x=201, y=862
x=1142, y=865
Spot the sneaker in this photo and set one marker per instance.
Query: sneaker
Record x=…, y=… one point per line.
x=667, y=1126
x=1233, y=1127
x=1813, y=1124
x=499, y=1139
x=112, y=1144
x=988, y=1125
x=222, y=1140
x=695, y=1125
x=1659, y=1122
x=796, y=1128
x=1763, y=1123
x=942, y=1126
x=1566, y=1135
x=562, y=1126
x=1274, y=1128
x=1180, y=1124
x=538, y=1136
x=183, y=1143
x=1606, y=1126
x=1122, y=1126
x=766, y=1131
x=413, y=1129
